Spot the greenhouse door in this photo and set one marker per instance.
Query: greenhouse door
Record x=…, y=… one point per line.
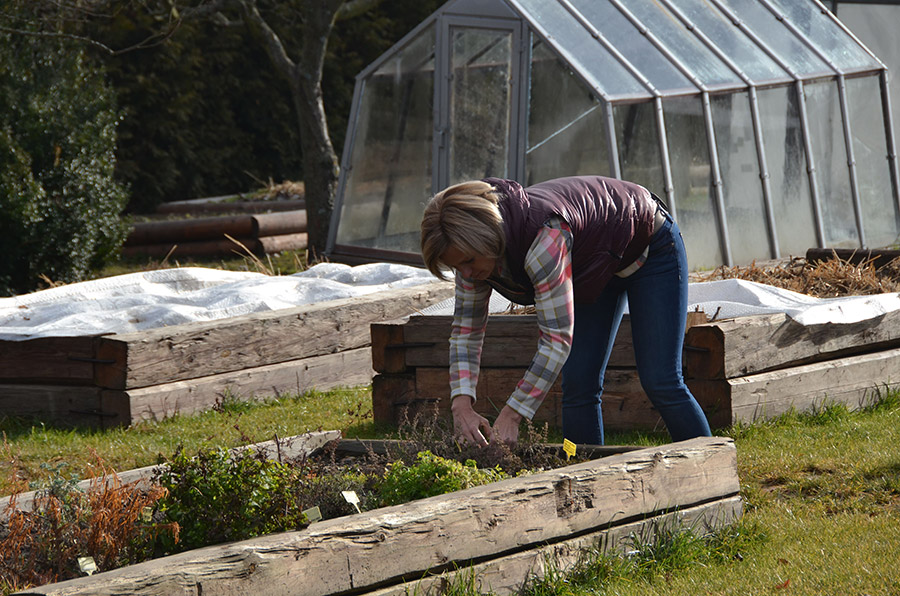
x=477, y=100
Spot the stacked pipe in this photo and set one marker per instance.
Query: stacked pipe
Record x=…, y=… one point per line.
x=261, y=233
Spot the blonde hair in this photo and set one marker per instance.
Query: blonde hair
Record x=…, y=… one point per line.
x=466, y=217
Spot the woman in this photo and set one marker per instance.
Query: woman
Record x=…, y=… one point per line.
x=576, y=248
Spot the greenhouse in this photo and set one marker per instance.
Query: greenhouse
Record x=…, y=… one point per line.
x=765, y=125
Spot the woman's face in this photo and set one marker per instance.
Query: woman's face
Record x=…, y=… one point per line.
x=469, y=265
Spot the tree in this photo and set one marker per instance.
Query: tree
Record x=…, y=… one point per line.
x=294, y=35
x=302, y=69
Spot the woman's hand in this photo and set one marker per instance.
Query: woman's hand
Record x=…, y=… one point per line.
x=468, y=424
x=506, y=427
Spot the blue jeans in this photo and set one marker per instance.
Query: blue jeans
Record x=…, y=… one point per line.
x=657, y=302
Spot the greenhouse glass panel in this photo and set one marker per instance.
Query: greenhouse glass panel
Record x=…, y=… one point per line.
x=684, y=44
x=782, y=133
x=637, y=138
x=696, y=212
x=480, y=66
x=876, y=26
x=832, y=172
x=827, y=35
x=879, y=210
x=584, y=53
x=391, y=157
x=776, y=36
x=636, y=48
x=748, y=56
x=742, y=186
x=566, y=128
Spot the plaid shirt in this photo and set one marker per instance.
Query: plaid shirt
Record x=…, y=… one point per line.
x=548, y=264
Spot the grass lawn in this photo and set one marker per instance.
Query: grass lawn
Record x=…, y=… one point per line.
x=821, y=491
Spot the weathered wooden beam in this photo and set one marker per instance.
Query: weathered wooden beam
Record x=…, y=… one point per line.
x=510, y=341
x=510, y=574
x=747, y=345
x=48, y=360
x=495, y=385
x=394, y=544
x=157, y=402
x=203, y=348
x=851, y=381
x=68, y=405
x=625, y=406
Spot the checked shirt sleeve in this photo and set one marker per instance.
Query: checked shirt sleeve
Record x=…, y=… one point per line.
x=548, y=264
x=467, y=335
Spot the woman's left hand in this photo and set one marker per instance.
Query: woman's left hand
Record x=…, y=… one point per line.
x=506, y=427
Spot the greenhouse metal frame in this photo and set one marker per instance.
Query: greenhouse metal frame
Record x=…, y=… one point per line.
x=765, y=124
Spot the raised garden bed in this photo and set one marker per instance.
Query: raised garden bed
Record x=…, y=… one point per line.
x=118, y=379
x=740, y=370
x=410, y=357
x=505, y=532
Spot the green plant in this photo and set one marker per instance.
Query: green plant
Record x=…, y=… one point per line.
x=219, y=496
x=432, y=475
x=60, y=203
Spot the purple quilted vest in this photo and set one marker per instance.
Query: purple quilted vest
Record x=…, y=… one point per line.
x=611, y=222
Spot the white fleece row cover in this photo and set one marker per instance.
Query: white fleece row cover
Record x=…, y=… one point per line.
x=730, y=298
x=151, y=299
x=146, y=300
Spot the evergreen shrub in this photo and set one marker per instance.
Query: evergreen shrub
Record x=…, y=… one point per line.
x=59, y=201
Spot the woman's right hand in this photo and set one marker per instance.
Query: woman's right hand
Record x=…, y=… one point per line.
x=469, y=426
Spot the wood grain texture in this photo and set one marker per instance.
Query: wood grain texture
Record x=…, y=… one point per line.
x=48, y=360
x=157, y=402
x=510, y=574
x=851, y=381
x=59, y=404
x=200, y=349
x=510, y=341
x=390, y=545
x=747, y=345
x=624, y=404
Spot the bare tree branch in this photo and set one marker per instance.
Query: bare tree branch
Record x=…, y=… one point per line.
x=83, y=12
x=58, y=35
x=273, y=44
x=354, y=8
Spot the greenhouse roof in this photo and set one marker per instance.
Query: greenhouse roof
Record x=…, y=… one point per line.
x=625, y=49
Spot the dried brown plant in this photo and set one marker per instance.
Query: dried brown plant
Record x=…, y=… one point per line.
x=42, y=544
x=829, y=278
